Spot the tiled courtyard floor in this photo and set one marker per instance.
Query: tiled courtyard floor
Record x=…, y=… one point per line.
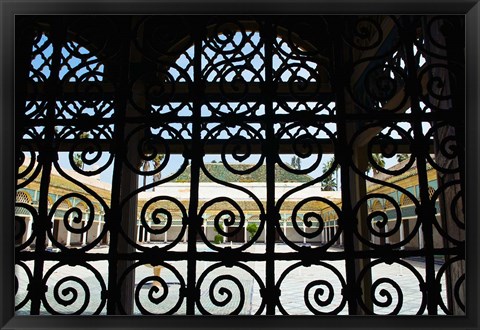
x=321, y=279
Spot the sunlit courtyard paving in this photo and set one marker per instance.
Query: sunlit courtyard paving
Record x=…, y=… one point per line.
x=225, y=290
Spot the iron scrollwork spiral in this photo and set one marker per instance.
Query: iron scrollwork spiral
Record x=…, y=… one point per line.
x=386, y=293
x=237, y=147
x=322, y=295
x=227, y=293
x=305, y=144
x=454, y=211
x=378, y=74
x=161, y=212
x=93, y=159
x=446, y=159
x=248, y=92
x=228, y=221
x=23, y=276
x=386, y=143
x=161, y=297
x=94, y=89
x=148, y=144
x=377, y=220
x=363, y=33
x=311, y=218
x=73, y=294
x=76, y=220
x=458, y=285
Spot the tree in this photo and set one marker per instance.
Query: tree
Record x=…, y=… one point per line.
x=77, y=156
x=296, y=163
x=402, y=157
x=252, y=229
x=146, y=165
x=157, y=161
x=379, y=160
x=329, y=183
x=77, y=159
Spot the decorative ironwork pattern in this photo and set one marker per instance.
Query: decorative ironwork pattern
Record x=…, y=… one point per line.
x=266, y=110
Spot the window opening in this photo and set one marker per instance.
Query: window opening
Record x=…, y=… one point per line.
x=239, y=166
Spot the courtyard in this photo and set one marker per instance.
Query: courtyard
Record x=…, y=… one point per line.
x=221, y=288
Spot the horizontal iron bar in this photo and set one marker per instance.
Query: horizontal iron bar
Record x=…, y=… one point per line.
x=300, y=117
x=215, y=146
x=182, y=91
x=306, y=254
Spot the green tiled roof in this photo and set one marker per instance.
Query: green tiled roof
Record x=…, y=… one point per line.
x=222, y=173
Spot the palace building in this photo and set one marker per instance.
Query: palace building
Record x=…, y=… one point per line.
x=180, y=190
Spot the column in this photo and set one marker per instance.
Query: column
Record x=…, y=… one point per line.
x=148, y=236
x=69, y=233
x=138, y=233
x=402, y=234
x=304, y=238
x=84, y=237
x=99, y=227
x=48, y=239
x=29, y=227
x=420, y=237
x=387, y=239
x=245, y=232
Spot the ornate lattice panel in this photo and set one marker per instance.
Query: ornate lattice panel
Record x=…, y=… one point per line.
x=240, y=165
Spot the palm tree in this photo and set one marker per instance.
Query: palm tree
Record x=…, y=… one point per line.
x=77, y=157
x=329, y=183
x=146, y=165
x=379, y=160
x=402, y=157
x=157, y=161
x=296, y=163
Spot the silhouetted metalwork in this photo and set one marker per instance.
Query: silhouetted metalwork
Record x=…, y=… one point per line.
x=109, y=94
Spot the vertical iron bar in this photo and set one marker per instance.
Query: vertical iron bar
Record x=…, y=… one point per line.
x=455, y=42
x=114, y=216
x=455, y=46
x=343, y=155
x=47, y=155
x=271, y=154
x=426, y=211
x=196, y=155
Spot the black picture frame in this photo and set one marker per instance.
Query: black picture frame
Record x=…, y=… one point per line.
x=8, y=11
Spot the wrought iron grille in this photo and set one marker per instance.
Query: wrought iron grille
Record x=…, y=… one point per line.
x=150, y=102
